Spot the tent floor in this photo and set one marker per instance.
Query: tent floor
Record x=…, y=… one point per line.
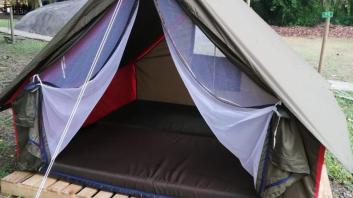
x=149, y=149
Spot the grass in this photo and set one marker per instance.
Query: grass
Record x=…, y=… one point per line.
x=13, y=57
x=338, y=63
x=5, y=22
x=23, y=47
x=335, y=169
x=6, y=145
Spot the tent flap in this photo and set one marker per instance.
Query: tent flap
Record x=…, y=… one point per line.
x=301, y=89
x=241, y=130
x=58, y=103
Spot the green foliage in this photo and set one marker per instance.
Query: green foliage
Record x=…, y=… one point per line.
x=343, y=12
x=303, y=12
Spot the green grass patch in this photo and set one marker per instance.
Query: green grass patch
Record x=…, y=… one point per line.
x=338, y=63
x=6, y=165
x=5, y=22
x=335, y=170
x=21, y=47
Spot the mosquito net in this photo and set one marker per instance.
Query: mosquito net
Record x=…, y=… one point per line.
x=58, y=103
x=71, y=69
x=221, y=92
x=208, y=64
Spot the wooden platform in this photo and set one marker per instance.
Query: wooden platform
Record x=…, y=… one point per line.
x=25, y=184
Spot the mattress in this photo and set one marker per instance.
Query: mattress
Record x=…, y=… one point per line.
x=152, y=149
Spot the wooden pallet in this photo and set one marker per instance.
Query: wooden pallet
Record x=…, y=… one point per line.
x=25, y=184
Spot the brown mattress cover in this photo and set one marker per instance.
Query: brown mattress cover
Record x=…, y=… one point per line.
x=155, y=160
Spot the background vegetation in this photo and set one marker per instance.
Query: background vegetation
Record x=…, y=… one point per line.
x=303, y=12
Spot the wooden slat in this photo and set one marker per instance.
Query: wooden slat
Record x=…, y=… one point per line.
x=87, y=192
x=58, y=186
x=103, y=194
x=33, y=180
x=120, y=196
x=28, y=187
x=17, y=177
x=72, y=189
x=36, y=180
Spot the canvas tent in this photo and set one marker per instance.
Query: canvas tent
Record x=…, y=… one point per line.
x=172, y=98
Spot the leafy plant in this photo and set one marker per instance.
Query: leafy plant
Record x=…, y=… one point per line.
x=303, y=12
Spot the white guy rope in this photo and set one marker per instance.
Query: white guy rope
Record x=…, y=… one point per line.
x=78, y=101
x=63, y=66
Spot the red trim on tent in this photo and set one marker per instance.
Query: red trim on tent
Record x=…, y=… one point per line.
x=121, y=91
x=149, y=48
x=320, y=163
x=15, y=130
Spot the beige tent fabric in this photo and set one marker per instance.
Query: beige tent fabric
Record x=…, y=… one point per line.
x=153, y=86
x=295, y=82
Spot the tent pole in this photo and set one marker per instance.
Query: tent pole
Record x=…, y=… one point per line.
x=323, y=46
x=248, y=1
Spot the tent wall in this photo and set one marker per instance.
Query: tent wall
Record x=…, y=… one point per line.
x=158, y=79
x=121, y=91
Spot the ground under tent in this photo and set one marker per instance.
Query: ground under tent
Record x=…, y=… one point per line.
x=170, y=98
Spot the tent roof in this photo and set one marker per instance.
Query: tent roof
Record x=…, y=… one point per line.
x=267, y=59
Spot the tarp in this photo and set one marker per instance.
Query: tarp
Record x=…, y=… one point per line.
x=49, y=19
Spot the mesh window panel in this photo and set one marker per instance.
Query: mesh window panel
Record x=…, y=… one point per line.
x=207, y=63
x=71, y=69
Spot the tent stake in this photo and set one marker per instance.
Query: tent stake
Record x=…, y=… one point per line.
x=324, y=40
